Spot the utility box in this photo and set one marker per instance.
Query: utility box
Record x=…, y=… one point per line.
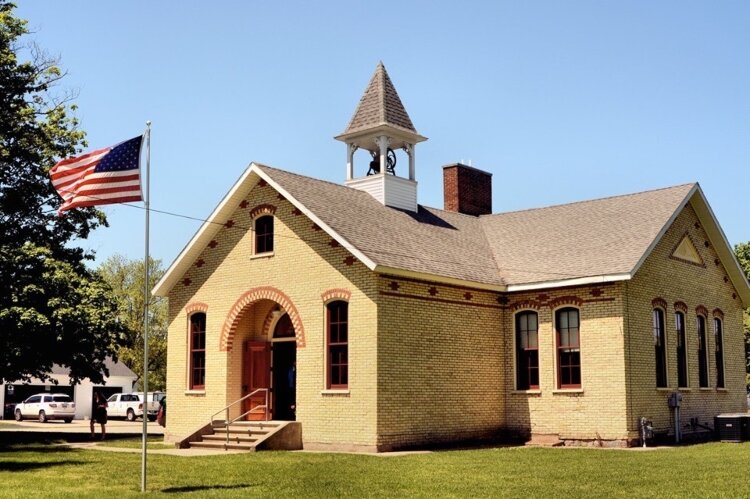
x=733, y=427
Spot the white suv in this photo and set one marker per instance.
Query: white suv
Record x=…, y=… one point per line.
x=46, y=406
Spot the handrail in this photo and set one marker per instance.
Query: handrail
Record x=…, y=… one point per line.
x=227, y=421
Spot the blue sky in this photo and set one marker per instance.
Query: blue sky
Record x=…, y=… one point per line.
x=561, y=101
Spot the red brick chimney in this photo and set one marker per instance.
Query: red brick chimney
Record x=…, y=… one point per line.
x=467, y=190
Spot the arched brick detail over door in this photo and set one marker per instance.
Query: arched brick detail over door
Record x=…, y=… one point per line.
x=246, y=300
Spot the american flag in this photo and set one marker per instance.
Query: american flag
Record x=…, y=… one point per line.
x=105, y=176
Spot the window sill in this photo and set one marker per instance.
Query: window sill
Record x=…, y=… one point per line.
x=664, y=389
x=722, y=390
x=567, y=391
x=268, y=254
x=526, y=392
x=195, y=393
x=342, y=392
x=684, y=389
x=706, y=389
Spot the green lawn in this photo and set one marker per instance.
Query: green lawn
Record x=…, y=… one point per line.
x=154, y=442
x=708, y=470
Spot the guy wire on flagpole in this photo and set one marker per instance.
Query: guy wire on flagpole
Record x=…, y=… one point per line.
x=146, y=299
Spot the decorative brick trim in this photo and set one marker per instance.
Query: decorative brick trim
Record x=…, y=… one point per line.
x=267, y=324
x=565, y=300
x=196, y=306
x=249, y=298
x=659, y=303
x=681, y=306
x=349, y=261
x=244, y=204
x=718, y=313
x=525, y=304
x=262, y=209
x=262, y=183
x=441, y=300
x=187, y=281
x=336, y=294
x=701, y=310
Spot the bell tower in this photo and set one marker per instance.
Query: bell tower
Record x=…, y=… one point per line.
x=381, y=126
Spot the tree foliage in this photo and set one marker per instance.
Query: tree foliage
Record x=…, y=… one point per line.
x=126, y=278
x=742, y=251
x=52, y=308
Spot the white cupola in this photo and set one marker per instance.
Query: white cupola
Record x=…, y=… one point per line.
x=381, y=126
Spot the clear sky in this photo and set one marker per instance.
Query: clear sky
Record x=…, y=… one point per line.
x=561, y=101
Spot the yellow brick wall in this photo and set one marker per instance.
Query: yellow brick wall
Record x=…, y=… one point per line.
x=672, y=280
x=596, y=411
x=439, y=364
x=304, y=265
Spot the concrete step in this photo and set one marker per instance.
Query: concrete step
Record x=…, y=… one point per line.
x=249, y=447
x=232, y=438
x=232, y=430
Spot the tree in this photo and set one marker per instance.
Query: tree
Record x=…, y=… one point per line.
x=742, y=251
x=53, y=310
x=125, y=277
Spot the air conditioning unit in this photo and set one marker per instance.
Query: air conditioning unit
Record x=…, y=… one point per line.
x=733, y=427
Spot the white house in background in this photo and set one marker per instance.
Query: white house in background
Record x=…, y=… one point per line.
x=120, y=379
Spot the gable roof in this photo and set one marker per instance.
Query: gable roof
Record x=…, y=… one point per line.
x=601, y=237
x=380, y=105
x=540, y=248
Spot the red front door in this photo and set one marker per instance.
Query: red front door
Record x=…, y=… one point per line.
x=256, y=373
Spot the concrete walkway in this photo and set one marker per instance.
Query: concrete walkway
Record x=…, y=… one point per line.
x=114, y=427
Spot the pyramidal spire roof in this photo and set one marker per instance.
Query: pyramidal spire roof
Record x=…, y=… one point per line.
x=380, y=105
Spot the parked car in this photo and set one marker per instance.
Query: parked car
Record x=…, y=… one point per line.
x=130, y=405
x=46, y=406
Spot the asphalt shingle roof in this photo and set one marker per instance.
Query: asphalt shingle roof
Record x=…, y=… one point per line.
x=590, y=238
x=380, y=104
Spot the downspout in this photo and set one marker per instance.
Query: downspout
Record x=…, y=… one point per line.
x=626, y=332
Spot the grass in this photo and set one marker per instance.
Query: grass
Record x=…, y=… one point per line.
x=708, y=470
x=154, y=442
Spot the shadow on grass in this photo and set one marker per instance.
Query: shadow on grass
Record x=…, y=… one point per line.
x=28, y=466
x=9, y=440
x=198, y=488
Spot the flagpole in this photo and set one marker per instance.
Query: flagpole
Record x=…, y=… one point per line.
x=146, y=299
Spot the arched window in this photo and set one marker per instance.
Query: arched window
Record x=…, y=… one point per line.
x=682, y=362
x=264, y=234
x=567, y=325
x=527, y=351
x=702, y=352
x=660, y=347
x=337, y=339
x=197, y=370
x=719, y=336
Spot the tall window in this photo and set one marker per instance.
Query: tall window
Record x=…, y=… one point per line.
x=264, y=234
x=197, y=351
x=660, y=348
x=338, y=344
x=682, y=373
x=702, y=353
x=527, y=351
x=719, y=335
x=568, y=348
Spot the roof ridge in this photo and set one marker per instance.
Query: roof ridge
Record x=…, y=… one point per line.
x=691, y=184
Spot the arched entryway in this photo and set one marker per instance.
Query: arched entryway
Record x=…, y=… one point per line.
x=283, y=370
x=269, y=361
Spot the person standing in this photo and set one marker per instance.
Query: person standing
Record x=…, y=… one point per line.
x=99, y=414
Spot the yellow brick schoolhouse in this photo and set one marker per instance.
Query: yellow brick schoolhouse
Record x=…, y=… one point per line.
x=375, y=323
